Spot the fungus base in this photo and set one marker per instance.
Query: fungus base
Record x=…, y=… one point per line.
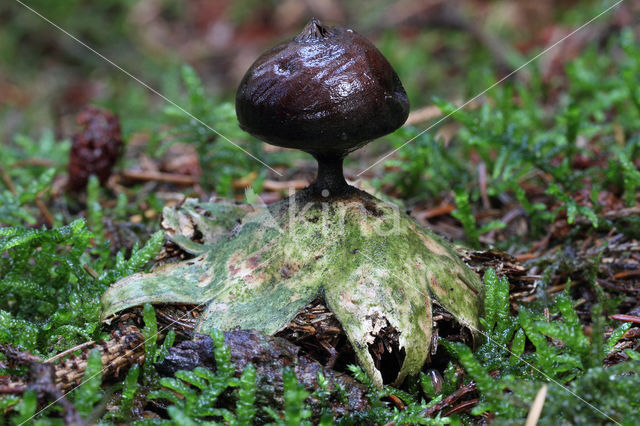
x=375, y=268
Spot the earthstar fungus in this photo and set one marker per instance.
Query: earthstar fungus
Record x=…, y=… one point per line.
x=326, y=92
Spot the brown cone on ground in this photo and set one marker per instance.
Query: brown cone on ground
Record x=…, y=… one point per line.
x=95, y=147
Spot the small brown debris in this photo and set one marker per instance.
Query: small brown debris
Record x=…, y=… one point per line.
x=386, y=352
x=319, y=334
x=627, y=318
x=397, y=402
x=451, y=399
x=153, y=176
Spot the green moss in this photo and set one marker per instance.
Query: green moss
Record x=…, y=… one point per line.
x=49, y=301
x=565, y=359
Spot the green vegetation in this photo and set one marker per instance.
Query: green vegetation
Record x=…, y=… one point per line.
x=523, y=140
x=194, y=393
x=219, y=156
x=51, y=280
x=563, y=354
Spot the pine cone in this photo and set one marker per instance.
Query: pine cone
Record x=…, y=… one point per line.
x=95, y=148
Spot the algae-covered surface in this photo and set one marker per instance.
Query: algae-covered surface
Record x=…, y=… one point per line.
x=256, y=268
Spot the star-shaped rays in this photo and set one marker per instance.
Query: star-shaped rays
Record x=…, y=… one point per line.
x=376, y=269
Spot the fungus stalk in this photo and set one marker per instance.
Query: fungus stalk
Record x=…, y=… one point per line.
x=330, y=178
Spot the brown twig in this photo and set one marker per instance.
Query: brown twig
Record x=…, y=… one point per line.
x=550, y=290
x=463, y=406
x=434, y=212
x=273, y=185
x=178, y=179
x=15, y=389
x=628, y=318
x=48, y=217
x=69, y=351
x=90, y=271
x=627, y=274
x=42, y=379
x=449, y=400
x=482, y=182
x=124, y=349
x=17, y=356
x=523, y=257
x=39, y=162
x=7, y=180
x=397, y=402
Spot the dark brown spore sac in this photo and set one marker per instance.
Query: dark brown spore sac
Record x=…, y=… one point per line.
x=95, y=148
x=328, y=92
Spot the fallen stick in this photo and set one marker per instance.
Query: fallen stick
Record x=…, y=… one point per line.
x=159, y=177
x=449, y=400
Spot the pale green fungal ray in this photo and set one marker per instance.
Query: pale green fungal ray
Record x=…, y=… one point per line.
x=375, y=268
